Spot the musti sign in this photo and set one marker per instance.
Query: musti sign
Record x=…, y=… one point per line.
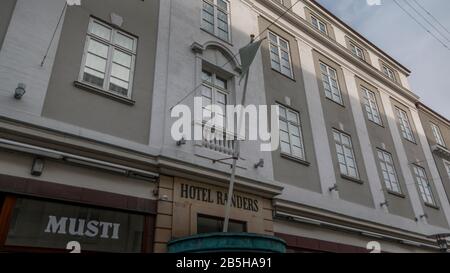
x=52, y=225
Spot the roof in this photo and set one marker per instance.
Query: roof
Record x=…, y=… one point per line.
x=359, y=35
x=423, y=106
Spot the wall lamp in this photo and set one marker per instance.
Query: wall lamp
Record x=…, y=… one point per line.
x=384, y=204
x=20, y=91
x=441, y=240
x=38, y=166
x=260, y=164
x=422, y=216
x=334, y=188
x=182, y=141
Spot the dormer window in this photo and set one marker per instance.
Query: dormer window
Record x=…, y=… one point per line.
x=319, y=25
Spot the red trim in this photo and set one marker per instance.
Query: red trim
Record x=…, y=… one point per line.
x=303, y=244
x=49, y=190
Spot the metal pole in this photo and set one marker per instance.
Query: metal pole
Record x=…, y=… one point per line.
x=236, y=155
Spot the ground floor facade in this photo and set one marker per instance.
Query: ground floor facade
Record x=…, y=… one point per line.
x=61, y=198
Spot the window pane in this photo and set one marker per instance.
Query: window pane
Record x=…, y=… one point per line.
x=120, y=72
x=206, y=76
x=95, y=63
x=101, y=31
x=122, y=58
x=222, y=4
x=285, y=148
x=123, y=41
x=273, y=38
x=118, y=86
x=293, y=117
x=221, y=83
x=93, y=77
x=99, y=49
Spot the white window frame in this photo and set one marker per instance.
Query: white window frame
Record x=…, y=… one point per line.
x=290, y=125
x=405, y=125
x=371, y=106
x=111, y=48
x=215, y=89
x=280, y=50
x=344, y=158
x=388, y=171
x=357, y=51
x=216, y=18
x=318, y=24
x=336, y=97
x=425, y=189
x=437, y=134
x=389, y=72
x=447, y=168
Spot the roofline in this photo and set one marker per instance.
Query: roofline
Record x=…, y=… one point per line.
x=359, y=35
x=421, y=105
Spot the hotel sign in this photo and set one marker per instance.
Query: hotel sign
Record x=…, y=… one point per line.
x=212, y=196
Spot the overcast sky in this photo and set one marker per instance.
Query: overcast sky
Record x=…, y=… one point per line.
x=392, y=30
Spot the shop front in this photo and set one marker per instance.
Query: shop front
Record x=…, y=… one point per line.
x=194, y=212
x=92, y=221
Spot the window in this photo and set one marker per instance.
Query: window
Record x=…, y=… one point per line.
x=405, y=127
x=345, y=154
x=214, y=92
x=424, y=186
x=389, y=72
x=388, y=169
x=437, y=134
x=216, y=18
x=207, y=224
x=357, y=51
x=108, y=60
x=280, y=55
x=330, y=83
x=370, y=103
x=319, y=25
x=291, y=138
x=447, y=168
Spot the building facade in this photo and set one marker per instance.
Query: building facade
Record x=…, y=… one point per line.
x=86, y=94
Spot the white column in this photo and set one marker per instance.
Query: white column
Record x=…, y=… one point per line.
x=319, y=127
x=159, y=111
x=435, y=177
x=366, y=146
x=401, y=153
x=27, y=39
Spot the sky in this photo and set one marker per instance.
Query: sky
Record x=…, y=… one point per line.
x=393, y=31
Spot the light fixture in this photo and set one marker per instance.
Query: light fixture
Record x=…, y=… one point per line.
x=334, y=188
x=38, y=167
x=182, y=141
x=20, y=91
x=441, y=240
x=260, y=164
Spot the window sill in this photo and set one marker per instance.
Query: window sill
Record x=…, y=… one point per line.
x=377, y=124
x=286, y=76
x=296, y=159
x=432, y=206
x=104, y=93
x=410, y=141
x=352, y=179
x=335, y=102
x=397, y=194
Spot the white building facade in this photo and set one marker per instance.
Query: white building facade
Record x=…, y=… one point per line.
x=353, y=167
